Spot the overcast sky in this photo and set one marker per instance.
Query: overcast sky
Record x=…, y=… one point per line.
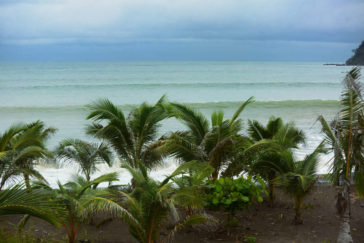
x=282, y=30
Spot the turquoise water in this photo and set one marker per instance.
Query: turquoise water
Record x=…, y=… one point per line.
x=58, y=92
x=75, y=84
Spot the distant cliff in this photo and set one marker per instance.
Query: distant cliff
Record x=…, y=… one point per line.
x=358, y=57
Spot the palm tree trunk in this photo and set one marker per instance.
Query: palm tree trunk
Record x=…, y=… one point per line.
x=271, y=193
x=72, y=232
x=347, y=185
x=347, y=173
x=214, y=175
x=67, y=232
x=349, y=145
x=298, y=209
x=88, y=177
x=27, y=182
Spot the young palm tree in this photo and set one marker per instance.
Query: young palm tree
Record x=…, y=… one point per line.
x=7, y=167
x=86, y=155
x=195, y=180
x=345, y=136
x=299, y=177
x=80, y=200
x=216, y=144
x=20, y=147
x=37, y=134
x=286, y=135
x=152, y=202
x=267, y=142
x=134, y=138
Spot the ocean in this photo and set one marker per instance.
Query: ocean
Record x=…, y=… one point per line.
x=57, y=93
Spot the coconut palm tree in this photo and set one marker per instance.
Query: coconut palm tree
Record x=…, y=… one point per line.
x=287, y=135
x=215, y=144
x=344, y=136
x=80, y=199
x=299, y=177
x=268, y=141
x=86, y=155
x=20, y=146
x=7, y=167
x=37, y=134
x=151, y=203
x=134, y=138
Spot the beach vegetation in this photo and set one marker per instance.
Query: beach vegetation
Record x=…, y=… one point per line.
x=133, y=138
x=20, y=148
x=153, y=204
x=17, y=200
x=215, y=142
x=265, y=159
x=344, y=137
x=79, y=200
x=232, y=195
x=299, y=178
x=86, y=155
x=196, y=180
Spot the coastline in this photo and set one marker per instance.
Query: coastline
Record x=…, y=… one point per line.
x=343, y=64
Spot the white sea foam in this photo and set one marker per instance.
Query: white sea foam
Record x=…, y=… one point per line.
x=65, y=173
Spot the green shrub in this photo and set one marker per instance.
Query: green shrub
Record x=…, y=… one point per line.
x=232, y=195
x=250, y=239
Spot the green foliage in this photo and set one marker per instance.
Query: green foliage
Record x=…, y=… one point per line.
x=80, y=199
x=250, y=239
x=234, y=194
x=20, y=146
x=85, y=154
x=358, y=57
x=194, y=181
x=300, y=175
x=151, y=203
x=308, y=206
x=16, y=200
x=269, y=140
x=299, y=178
x=232, y=222
x=344, y=136
x=262, y=154
x=134, y=138
x=216, y=143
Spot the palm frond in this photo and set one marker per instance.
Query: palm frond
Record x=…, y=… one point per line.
x=241, y=108
x=17, y=200
x=194, y=120
x=87, y=155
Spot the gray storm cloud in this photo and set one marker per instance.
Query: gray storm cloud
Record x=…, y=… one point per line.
x=109, y=21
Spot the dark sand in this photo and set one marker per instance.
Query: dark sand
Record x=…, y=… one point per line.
x=321, y=224
x=357, y=219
